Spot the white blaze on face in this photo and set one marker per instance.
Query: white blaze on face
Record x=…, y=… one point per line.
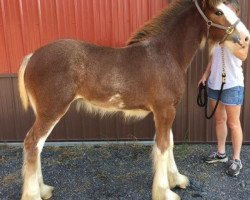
x=232, y=19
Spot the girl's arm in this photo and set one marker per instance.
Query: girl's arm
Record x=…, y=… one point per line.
x=206, y=73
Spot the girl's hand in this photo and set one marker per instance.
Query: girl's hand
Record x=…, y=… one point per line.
x=203, y=80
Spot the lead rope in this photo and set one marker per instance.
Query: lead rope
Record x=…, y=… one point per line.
x=202, y=97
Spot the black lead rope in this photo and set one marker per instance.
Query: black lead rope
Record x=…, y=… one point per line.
x=202, y=99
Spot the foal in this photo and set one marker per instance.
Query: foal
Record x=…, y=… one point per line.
x=148, y=75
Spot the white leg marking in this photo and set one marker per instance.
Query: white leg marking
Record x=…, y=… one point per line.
x=33, y=183
x=161, y=190
x=45, y=190
x=42, y=140
x=31, y=188
x=160, y=163
x=174, y=177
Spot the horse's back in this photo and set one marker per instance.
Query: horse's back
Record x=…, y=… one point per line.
x=103, y=75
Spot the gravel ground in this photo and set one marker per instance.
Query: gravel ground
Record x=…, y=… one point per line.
x=122, y=172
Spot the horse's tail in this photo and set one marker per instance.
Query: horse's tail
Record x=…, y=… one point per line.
x=21, y=84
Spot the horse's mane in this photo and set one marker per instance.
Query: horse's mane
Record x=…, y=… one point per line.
x=160, y=23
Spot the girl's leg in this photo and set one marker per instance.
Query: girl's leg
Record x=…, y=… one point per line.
x=233, y=120
x=220, y=126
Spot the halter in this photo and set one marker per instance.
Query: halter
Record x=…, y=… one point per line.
x=229, y=30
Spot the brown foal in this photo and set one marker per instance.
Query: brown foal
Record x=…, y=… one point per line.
x=147, y=75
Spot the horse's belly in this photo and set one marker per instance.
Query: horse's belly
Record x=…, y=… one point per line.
x=112, y=105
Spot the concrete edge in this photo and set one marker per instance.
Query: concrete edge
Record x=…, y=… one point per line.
x=62, y=144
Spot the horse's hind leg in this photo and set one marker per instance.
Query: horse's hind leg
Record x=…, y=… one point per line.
x=45, y=190
x=174, y=177
x=163, y=121
x=33, y=145
x=33, y=185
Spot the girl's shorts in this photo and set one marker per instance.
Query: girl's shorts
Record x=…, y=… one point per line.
x=232, y=96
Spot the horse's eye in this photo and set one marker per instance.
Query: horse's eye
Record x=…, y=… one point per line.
x=219, y=13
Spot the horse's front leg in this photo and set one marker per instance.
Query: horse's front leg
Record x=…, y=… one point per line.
x=174, y=177
x=163, y=121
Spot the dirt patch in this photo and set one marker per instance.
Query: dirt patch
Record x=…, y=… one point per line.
x=122, y=172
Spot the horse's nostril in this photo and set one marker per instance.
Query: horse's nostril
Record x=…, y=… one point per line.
x=246, y=39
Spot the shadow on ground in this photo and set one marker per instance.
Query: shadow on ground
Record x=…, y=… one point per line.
x=122, y=172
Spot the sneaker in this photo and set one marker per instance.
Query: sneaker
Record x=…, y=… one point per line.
x=234, y=167
x=216, y=157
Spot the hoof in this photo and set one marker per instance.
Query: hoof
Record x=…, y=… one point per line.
x=27, y=197
x=46, y=191
x=162, y=194
x=178, y=180
x=170, y=195
x=183, y=181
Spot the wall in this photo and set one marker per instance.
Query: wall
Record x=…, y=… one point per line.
x=26, y=25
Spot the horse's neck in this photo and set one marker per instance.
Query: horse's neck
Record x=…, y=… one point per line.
x=183, y=38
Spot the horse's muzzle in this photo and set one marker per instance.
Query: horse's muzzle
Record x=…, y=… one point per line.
x=239, y=39
x=236, y=39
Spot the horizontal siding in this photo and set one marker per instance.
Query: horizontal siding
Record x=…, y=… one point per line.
x=25, y=25
x=189, y=126
x=245, y=15
x=14, y=122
